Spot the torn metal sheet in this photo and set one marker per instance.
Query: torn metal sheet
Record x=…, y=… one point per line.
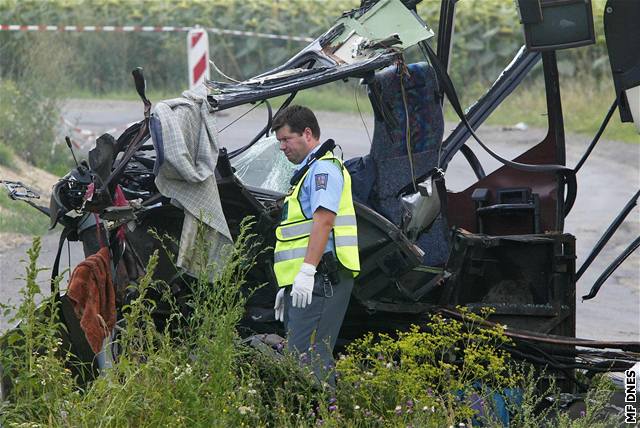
x=360, y=42
x=385, y=21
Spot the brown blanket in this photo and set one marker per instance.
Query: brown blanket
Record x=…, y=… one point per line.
x=92, y=294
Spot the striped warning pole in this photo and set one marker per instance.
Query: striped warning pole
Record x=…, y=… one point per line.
x=198, y=49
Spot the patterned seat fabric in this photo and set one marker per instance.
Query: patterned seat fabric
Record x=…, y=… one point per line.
x=378, y=176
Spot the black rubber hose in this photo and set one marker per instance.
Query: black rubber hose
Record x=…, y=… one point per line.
x=603, y=126
x=263, y=132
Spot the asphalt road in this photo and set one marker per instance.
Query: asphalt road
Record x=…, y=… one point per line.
x=605, y=184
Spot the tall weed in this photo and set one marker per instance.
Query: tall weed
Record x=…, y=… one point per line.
x=33, y=356
x=434, y=377
x=196, y=371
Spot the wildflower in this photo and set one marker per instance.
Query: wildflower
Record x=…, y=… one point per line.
x=409, y=403
x=332, y=400
x=380, y=357
x=243, y=410
x=252, y=391
x=356, y=407
x=582, y=413
x=389, y=365
x=333, y=408
x=398, y=410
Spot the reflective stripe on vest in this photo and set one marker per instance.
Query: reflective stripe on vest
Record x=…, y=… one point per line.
x=296, y=230
x=292, y=236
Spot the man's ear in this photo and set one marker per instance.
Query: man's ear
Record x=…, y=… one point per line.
x=308, y=134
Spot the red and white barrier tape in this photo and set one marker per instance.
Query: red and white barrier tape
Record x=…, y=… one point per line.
x=149, y=29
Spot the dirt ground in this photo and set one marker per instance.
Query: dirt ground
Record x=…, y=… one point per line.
x=606, y=182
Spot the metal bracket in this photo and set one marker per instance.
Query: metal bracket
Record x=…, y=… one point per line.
x=16, y=190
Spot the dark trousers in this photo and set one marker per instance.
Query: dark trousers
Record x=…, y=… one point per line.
x=312, y=331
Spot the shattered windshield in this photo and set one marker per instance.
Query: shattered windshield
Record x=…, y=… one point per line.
x=263, y=165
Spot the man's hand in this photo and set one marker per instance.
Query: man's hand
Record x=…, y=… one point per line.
x=278, y=307
x=302, y=289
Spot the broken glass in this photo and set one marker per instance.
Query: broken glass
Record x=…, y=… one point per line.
x=263, y=165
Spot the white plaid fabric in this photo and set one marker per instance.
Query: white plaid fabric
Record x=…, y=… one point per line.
x=190, y=141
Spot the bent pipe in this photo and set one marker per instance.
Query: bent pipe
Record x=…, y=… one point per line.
x=608, y=234
x=450, y=91
x=612, y=267
x=519, y=68
x=600, y=367
x=570, y=180
x=550, y=338
x=508, y=81
x=474, y=162
x=596, y=138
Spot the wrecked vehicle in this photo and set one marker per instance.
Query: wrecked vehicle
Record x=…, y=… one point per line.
x=423, y=249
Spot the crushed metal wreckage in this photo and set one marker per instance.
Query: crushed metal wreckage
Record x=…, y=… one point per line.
x=424, y=249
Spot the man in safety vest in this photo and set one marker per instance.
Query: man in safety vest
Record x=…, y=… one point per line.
x=316, y=251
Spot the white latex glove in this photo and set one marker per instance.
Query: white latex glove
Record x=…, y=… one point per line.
x=302, y=289
x=279, y=305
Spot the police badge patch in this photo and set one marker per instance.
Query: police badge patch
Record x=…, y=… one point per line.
x=321, y=181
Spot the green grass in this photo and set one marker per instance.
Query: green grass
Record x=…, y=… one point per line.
x=129, y=95
x=584, y=108
x=6, y=155
x=337, y=97
x=18, y=217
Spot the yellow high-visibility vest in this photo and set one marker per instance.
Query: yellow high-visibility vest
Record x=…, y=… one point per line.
x=292, y=236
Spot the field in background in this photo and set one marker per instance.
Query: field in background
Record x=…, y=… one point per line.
x=584, y=106
x=34, y=83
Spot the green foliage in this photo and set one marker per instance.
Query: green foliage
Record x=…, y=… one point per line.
x=197, y=372
x=488, y=33
x=18, y=217
x=29, y=106
x=6, y=155
x=103, y=61
x=425, y=378
x=33, y=356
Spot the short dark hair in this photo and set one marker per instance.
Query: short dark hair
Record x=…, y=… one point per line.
x=298, y=118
